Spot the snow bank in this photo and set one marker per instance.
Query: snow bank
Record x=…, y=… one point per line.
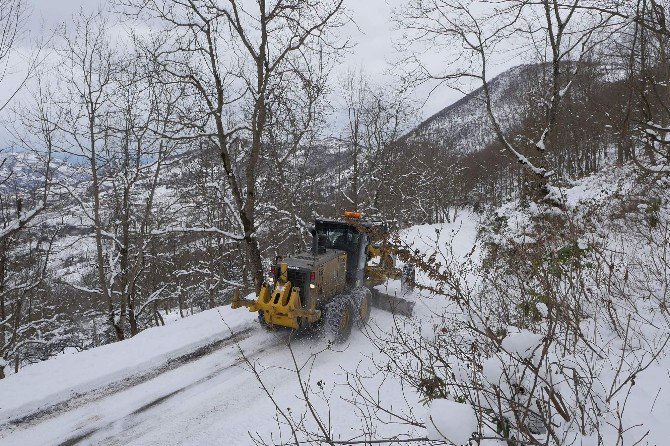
x=448, y=420
x=60, y=379
x=456, y=238
x=522, y=342
x=605, y=252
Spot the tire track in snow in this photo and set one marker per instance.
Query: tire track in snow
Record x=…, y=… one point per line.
x=128, y=421
x=86, y=398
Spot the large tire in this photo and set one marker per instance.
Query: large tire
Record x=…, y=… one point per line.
x=361, y=299
x=303, y=326
x=340, y=317
x=407, y=278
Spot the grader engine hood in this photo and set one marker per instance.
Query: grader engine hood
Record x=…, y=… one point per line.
x=299, y=288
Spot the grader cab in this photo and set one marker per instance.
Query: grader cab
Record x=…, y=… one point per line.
x=334, y=281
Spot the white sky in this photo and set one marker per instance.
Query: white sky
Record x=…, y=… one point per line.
x=374, y=36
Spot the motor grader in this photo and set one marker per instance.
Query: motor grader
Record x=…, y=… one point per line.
x=334, y=281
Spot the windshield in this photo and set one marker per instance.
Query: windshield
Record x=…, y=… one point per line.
x=339, y=238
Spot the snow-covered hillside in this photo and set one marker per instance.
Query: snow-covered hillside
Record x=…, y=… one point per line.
x=218, y=378
x=179, y=199
x=23, y=172
x=464, y=127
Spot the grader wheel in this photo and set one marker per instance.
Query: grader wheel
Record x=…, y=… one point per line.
x=361, y=299
x=340, y=316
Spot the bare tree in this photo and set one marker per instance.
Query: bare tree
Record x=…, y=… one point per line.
x=13, y=14
x=20, y=273
x=560, y=37
x=377, y=118
x=25, y=250
x=355, y=89
x=650, y=67
x=12, y=20
x=296, y=120
x=86, y=73
x=113, y=112
x=232, y=57
x=139, y=105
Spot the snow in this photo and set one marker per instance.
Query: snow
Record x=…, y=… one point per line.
x=492, y=370
x=522, y=342
x=608, y=211
x=109, y=394
x=457, y=237
x=582, y=244
x=136, y=392
x=59, y=379
x=214, y=399
x=452, y=421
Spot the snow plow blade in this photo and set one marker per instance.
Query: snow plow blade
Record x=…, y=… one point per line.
x=392, y=304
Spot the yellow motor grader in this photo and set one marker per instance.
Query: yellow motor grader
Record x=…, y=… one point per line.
x=334, y=281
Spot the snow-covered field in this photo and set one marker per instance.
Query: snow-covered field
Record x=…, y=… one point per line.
x=187, y=383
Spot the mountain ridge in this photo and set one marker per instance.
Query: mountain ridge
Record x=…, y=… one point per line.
x=464, y=126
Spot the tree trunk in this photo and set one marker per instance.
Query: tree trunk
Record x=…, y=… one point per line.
x=180, y=299
x=255, y=262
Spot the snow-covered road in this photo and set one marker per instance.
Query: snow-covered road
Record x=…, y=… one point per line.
x=193, y=404
x=206, y=401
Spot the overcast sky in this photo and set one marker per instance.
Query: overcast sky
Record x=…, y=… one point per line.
x=373, y=36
